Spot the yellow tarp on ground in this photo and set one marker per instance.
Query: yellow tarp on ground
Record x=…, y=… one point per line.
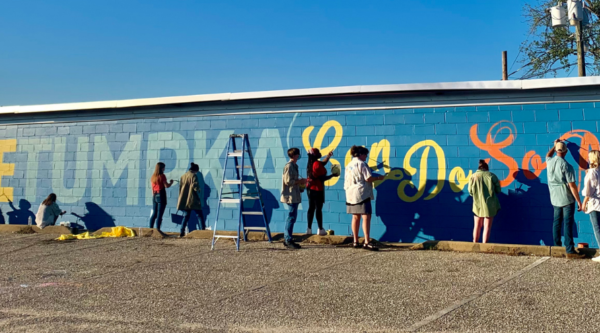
x=115, y=232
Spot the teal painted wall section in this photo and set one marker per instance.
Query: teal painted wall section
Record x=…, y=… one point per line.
x=100, y=170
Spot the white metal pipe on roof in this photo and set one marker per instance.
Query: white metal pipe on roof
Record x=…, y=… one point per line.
x=314, y=92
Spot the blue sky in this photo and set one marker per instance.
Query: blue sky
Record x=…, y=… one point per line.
x=73, y=51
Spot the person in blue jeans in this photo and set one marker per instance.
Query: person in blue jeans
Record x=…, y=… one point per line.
x=291, y=195
x=591, y=192
x=159, y=195
x=190, y=197
x=563, y=195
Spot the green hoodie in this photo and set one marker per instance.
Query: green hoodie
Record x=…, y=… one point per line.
x=484, y=187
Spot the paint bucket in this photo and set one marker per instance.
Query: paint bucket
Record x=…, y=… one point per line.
x=583, y=245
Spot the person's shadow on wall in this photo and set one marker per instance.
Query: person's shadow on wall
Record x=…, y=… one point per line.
x=2, y=220
x=22, y=214
x=525, y=217
x=269, y=201
x=95, y=217
x=447, y=216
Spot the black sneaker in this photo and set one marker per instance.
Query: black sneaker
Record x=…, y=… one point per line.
x=291, y=245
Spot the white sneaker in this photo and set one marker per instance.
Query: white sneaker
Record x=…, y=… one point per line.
x=597, y=259
x=322, y=232
x=308, y=231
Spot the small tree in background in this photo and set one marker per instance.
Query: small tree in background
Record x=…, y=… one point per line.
x=549, y=51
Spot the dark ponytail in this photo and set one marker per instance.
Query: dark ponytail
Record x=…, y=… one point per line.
x=309, y=165
x=483, y=166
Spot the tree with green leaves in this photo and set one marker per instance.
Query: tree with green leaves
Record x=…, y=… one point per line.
x=551, y=51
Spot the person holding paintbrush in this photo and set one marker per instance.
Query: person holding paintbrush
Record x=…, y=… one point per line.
x=316, y=176
x=358, y=184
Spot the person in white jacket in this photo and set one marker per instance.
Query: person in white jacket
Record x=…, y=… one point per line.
x=358, y=184
x=591, y=192
x=48, y=212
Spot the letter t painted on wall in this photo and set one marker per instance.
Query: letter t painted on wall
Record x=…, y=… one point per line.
x=6, y=169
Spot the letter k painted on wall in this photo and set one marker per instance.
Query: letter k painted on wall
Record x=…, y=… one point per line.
x=6, y=169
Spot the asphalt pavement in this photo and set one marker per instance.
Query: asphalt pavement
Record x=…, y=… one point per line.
x=179, y=285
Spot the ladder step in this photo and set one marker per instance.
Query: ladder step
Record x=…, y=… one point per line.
x=237, y=200
x=245, y=167
x=230, y=200
x=220, y=236
x=237, y=182
x=237, y=153
x=256, y=228
x=252, y=213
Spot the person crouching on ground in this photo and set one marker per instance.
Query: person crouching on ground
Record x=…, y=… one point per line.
x=159, y=195
x=48, y=212
x=190, y=197
x=484, y=187
x=316, y=176
x=563, y=195
x=591, y=192
x=358, y=184
x=290, y=195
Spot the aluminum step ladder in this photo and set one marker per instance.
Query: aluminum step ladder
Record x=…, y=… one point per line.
x=240, y=158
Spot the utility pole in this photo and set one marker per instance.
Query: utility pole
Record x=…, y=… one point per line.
x=504, y=66
x=580, y=48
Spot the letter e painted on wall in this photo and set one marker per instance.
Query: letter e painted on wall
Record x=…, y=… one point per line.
x=6, y=169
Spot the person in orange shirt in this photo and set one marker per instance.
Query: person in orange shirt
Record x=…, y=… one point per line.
x=159, y=195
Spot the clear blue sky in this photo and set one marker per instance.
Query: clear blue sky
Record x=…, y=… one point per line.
x=71, y=51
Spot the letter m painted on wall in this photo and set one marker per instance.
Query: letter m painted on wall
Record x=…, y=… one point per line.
x=129, y=158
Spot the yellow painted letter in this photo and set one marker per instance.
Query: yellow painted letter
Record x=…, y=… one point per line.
x=6, y=169
x=339, y=132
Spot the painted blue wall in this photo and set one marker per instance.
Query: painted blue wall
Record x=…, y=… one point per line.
x=100, y=170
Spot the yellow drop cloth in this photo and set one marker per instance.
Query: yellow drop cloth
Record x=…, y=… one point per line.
x=115, y=232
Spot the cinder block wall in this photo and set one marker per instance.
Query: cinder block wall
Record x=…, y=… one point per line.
x=100, y=170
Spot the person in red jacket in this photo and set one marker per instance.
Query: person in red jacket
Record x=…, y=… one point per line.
x=315, y=188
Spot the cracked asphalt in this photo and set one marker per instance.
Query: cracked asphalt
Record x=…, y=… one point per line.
x=173, y=285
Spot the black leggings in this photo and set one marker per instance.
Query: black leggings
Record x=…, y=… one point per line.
x=316, y=199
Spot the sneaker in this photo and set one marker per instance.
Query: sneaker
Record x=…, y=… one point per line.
x=291, y=245
x=322, y=232
x=309, y=231
x=597, y=259
x=575, y=255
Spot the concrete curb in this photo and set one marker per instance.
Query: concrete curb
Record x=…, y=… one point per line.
x=18, y=229
x=276, y=237
x=508, y=249
x=30, y=229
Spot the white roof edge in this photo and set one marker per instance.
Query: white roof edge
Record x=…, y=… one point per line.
x=449, y=86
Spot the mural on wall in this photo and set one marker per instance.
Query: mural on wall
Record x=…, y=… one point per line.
x=100, y=172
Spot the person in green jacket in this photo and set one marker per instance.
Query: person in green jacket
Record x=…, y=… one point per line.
x=190, y=198
x=484, y=187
